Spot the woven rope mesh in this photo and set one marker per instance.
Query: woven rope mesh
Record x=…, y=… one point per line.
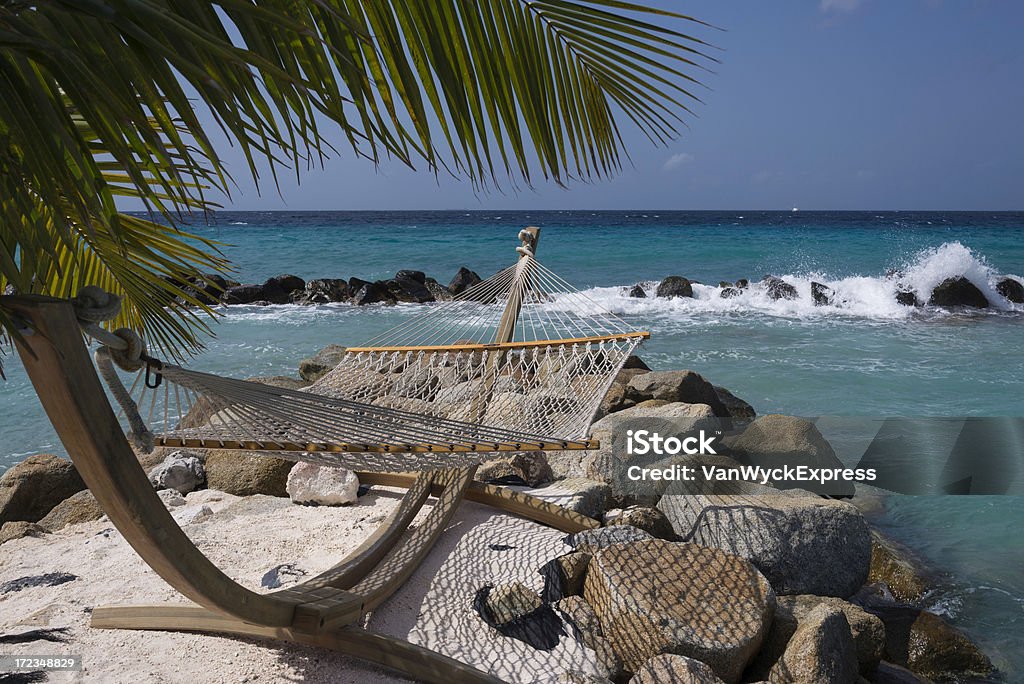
x=519, y=361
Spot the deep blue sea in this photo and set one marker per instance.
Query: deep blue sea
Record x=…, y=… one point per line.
x=865, y=356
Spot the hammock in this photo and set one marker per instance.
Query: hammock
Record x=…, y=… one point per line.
x=517, y=362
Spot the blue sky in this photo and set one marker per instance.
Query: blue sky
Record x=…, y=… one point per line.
x=820, y=104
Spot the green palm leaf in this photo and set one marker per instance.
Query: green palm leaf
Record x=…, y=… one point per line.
x=104, y=99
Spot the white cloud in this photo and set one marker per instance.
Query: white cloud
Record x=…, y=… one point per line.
x=677, y=160
x=837, y=6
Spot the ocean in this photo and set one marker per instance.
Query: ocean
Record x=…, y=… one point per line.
x=864, y=356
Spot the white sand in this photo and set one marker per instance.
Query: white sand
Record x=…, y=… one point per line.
x=248, y=536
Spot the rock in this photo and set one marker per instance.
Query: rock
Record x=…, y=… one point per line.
x=586, y=629
x=564, y=576
x=736, y=407
x=529, y=468
x=325, y=291
x=171, y=498
x=675, y=386
x=742, y=283
x=634, y=362
x=187, y=515
x=511, y=600
x=867, y=631
x=591, y=541
x=438, y=291
x=823, y=295
x=282, y=381
x=656, y=597
x=242, y=294
x=924, y=643
x=21, y=528
x=889, y=673
x=463, y=280
x=1012, y=289
x=907, y=298
x=405, y=289
x=637, y=292
x=324, y=485
x=372, y=293
x=674, y=286
x=820, y=652
x=774, y=441
x=615, y=399
x=669, y=668
x=723, y=284
x=650, y=520
x=28, y=490
x=729, y=292
x=324, y=361
x=802, y=544
x=419, y=276
x=245, y=474
x=587, y=497
x=894, y=567
x=288, y=282
x=77, y=508
x=777, y=288
x=958, y=291
x=181, y=471
x=279, y=575
x=205, y=288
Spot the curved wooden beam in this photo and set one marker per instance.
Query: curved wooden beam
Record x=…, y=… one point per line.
x=62, y=373
x=411, y=660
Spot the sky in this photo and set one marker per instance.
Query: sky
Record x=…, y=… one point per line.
x=816, y=104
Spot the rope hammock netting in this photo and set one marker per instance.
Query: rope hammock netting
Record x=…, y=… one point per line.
x=517, y=362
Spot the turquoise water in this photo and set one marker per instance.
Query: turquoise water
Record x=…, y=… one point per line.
x=864, y=356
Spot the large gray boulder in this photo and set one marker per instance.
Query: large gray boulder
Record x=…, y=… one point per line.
x=587, y=497
x=463, y=280
x=802, y=544
x=821, y=651
x=669, y=668
x=77, y=508
x=1012, y=289
x=404, y=287
x=243, y=294
x=656, y=597
x=181, y=471
x=325, y=291
x=31, y=488
x=675, y=386
x=777, y=288
x=774, y=441
x=318, y=365
x=867, y=631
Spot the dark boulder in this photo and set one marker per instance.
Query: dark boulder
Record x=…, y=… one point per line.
x=373, y=293
x=736, y=407
x=958, y=291
x=463, y=280
x=406, y=289
x=777, y=288
x=637, y=292
x=439, y=292
x=355, y=284
x=742, y=283
x=325, y=290
x=724, y=284
x=243, y=294
x=675, y=286
x=1012, y=289
x=729, y=293
x=823, y=295
x=907, y=298
x=206, y=288
x=289, y=283
x=418, y=276
x=634, y=361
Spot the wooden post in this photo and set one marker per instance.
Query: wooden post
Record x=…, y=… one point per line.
x=507, y=328
x=59, y=366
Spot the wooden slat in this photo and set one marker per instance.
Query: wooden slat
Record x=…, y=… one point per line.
x=642, y=334
x=399, y=564
x=59, y=367
x=416, y=662
x=503, y=498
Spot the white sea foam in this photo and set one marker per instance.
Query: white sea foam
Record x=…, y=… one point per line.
x=860, y=296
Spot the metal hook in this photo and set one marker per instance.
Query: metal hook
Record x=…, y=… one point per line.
x=149, y=375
